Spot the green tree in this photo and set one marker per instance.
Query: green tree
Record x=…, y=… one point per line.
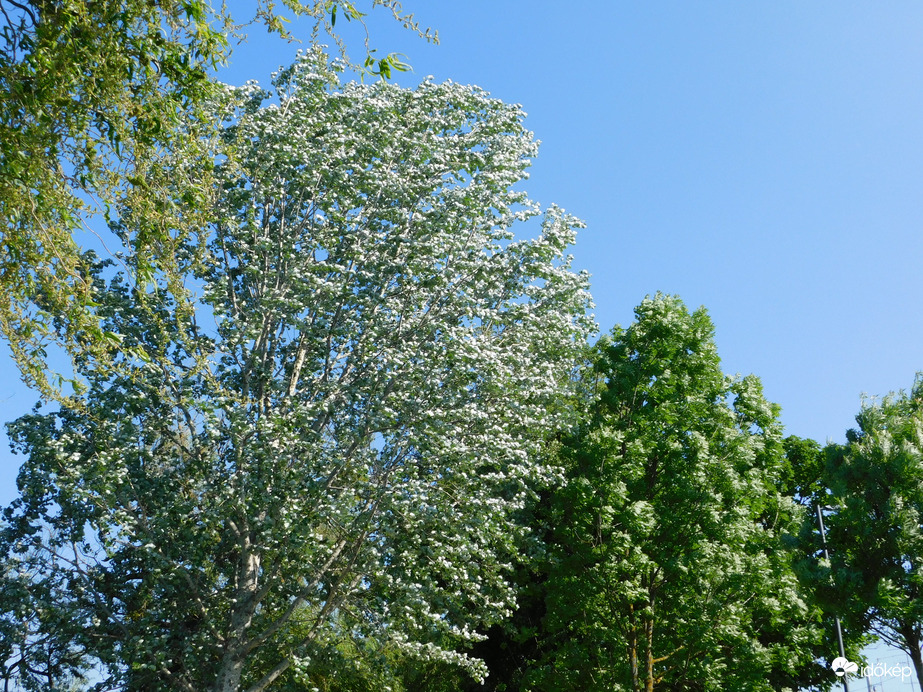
x=875, y=530
x=95, y=98
x=333, y=443
x=667, y=568
x=34, y=654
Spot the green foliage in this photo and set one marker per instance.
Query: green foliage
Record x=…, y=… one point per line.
x=875, y=530
x=804, y=469
x=667, y=568
x=96, y=100
x=323, y=459
x=35, y=649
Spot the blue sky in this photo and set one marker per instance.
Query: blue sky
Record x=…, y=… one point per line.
x=763, y=159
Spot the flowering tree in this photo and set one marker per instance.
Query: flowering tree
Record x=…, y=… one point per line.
x=876, y=524
x=332, y=444
x=667, y=568
x=93, y=96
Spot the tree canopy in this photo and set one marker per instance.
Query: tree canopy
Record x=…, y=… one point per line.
x=667, y=568
x=332, y=444
x=94, y=97
x=875, y=532
x=322, y=396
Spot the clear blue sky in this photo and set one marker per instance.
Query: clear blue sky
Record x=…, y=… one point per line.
x=763, y=159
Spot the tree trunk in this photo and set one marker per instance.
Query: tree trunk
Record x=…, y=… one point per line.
x=229, y=674
x=649, y=655
x=633, y=649
x=917, y=658
x=232, y=663
x=651, y=579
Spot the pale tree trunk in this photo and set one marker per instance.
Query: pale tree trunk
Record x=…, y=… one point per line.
x=232, y=663
x=229, y=675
